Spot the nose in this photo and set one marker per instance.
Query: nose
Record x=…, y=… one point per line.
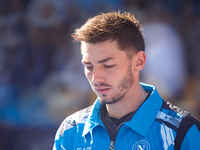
x=97, y=76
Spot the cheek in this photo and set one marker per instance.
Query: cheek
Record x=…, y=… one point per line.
x=88, y=76
x=117, y=78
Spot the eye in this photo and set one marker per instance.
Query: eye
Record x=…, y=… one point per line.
x=109, y=66
x=89, y=68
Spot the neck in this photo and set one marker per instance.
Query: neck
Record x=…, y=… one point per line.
x=131, y=102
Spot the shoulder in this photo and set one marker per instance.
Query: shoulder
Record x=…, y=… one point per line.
x=186, y=117
x=169, y=106
x=190, y=128
x=179, y=120
x=75, y=119
x=171, y=115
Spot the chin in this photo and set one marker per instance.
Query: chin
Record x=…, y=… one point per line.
x=107, y=102
x=104, y=100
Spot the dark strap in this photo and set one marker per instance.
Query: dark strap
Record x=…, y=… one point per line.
x=185, y=125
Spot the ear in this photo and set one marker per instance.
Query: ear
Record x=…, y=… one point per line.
x=139, y=60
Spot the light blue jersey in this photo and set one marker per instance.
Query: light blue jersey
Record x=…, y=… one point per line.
x=154, y=126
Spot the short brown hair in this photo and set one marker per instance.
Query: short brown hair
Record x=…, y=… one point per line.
x=124, y=28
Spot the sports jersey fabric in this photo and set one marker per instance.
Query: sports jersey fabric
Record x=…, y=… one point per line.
x=153, y=126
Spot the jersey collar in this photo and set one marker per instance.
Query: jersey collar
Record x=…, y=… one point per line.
x=144, y=117
x=141, y=121
x=94, y=118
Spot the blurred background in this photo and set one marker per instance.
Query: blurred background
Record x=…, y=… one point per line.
x=41, y=76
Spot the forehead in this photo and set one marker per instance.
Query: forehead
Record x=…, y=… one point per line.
x=86, y=47
x=101, y=50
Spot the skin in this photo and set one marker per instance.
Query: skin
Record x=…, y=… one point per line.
x=114, y=77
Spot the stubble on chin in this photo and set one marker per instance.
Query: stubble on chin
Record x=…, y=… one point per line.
x=113, y=100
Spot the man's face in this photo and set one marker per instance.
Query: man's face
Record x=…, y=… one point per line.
x=108, y=70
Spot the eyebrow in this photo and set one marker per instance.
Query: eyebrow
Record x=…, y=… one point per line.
x=100, y=61
x=104, y=60
x=84, y=62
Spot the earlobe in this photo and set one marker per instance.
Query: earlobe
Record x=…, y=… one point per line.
x=140, y=60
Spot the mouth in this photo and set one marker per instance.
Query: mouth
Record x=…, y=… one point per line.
x=102, y=90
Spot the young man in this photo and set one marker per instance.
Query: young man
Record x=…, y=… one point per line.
x=127, y=115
